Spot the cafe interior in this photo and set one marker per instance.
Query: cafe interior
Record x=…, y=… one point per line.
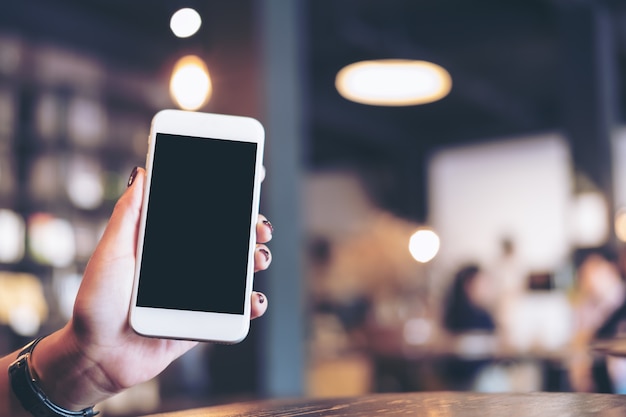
x=446, y=180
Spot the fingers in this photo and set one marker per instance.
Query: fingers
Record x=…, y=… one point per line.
x=262, y=255
x=262, y=173
x=258, y=303
x=262, y=258
x=111, y=266
x=264, y=229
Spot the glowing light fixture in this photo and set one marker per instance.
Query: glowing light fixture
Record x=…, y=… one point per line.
x=185, y=22
x=190, y=85
x=51, y=240
x=393, y=82
x=424, y=245
x=12, y=236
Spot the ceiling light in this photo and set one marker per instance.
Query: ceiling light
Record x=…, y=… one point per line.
x=190, y=85
x=393, y=82
x=185, y=22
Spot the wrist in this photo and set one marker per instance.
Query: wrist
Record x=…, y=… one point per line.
x=64, y=373
x=25, y=386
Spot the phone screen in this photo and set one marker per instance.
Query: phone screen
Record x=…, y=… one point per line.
x=197, y=232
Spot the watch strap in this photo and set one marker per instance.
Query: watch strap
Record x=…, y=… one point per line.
x=27, y=390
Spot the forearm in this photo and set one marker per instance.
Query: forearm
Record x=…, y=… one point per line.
x=9, y=405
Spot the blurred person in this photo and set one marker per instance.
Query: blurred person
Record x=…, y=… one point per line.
x=466, y=314
x=466, y=307
x=96, y=354
x=599, y=309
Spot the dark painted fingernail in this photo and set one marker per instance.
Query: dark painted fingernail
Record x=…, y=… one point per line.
x=265, y=253
x=268, y=224
x=132, y=177
x=261, y=298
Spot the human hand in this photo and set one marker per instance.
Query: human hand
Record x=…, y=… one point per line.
x=97, y=347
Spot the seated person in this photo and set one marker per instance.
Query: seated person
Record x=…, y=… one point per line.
x=465, y=311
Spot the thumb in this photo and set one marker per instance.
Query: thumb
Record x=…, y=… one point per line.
x=111, y=267
x=120, y=236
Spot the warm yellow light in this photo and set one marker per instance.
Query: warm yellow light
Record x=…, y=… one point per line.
x=190, y=85
x=185, y=22
x=23, y=304
x=620, y=225
x=424, y=245
x=393, y=82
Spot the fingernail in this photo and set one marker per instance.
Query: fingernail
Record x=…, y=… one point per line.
x=261, y=298
x=265, y=253
x=268, y=224
x=132, y=177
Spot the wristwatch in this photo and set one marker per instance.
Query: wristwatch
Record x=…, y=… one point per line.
x=28, y=392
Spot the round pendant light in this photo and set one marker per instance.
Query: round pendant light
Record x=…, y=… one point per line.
x=393, y=82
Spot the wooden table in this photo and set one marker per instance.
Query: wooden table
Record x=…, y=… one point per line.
x=427, y=404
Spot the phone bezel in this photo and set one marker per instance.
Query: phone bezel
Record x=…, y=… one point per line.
x=186, y=324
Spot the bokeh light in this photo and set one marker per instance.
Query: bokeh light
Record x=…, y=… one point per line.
x=424, y=245
x=11, y=237
x=393, y=82
x=620, y=224
x=65, y=286
x=590, y=227
x=185, y=22
x=51, y=240
x=23, y=305
x=84, y=183
x=190, y=85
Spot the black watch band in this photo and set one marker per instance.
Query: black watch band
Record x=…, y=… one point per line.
x=30, y=395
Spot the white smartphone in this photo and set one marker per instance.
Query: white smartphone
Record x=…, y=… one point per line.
x=196, y=240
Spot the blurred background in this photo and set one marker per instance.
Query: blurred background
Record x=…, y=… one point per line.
x=455, y=223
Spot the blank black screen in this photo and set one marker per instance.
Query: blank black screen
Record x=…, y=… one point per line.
x=197, y=230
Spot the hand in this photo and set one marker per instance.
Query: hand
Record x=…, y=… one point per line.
x=97, y=347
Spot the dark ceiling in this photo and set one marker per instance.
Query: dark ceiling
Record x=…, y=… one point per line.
x=518, y=67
